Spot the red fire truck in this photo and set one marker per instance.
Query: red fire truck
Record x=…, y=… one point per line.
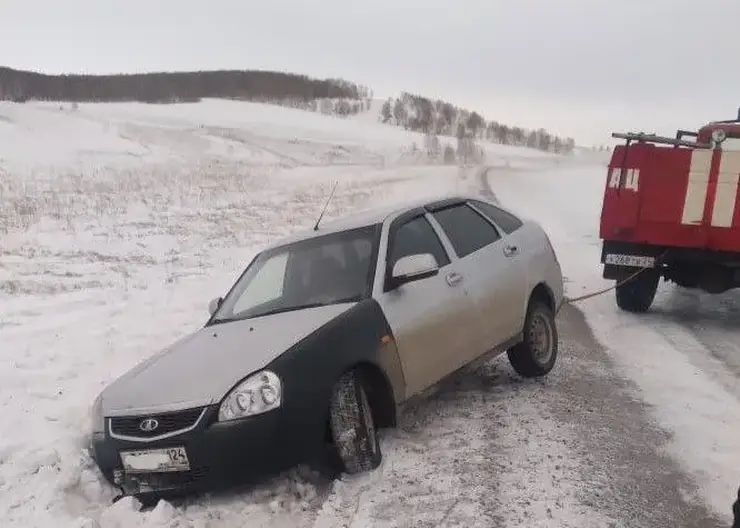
x=671, y=210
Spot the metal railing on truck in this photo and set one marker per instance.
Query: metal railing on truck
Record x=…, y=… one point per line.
x=678, y=141
x=641, y=137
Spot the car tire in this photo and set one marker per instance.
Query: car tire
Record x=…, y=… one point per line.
x=637, y=294
x=352, y=426
x=535, y=356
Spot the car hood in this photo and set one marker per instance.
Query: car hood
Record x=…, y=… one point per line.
x=202, y=367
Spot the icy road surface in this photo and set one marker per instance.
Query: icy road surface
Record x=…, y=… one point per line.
x=118, y=223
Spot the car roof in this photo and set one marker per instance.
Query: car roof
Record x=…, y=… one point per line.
x=366, y=218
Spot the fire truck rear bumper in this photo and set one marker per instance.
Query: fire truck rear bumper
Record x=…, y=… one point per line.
x=620, y=258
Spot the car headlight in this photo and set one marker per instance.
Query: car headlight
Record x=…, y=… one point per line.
x=96, y=415
x=259, y=393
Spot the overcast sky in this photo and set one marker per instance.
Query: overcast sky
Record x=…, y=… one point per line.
x=577, y=67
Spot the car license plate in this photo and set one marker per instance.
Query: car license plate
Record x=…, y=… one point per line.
x=630, y=260
x=155, y=460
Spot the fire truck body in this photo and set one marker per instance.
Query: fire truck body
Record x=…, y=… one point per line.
x=671, y=209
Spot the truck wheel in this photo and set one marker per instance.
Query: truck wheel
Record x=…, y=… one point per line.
x=352, y=426
x=535, y=356
x=636, y=295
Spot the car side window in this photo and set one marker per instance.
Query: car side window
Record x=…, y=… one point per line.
x=506, y=221
x=467, y=230
x=414, y=237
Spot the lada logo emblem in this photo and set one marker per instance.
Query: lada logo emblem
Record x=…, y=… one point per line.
x=148, y=425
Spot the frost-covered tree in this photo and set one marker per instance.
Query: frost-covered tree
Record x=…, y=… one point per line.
x=385, y=111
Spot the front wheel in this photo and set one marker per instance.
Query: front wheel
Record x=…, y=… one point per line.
x=637, y=294
x=352, y=426
x=535, y=356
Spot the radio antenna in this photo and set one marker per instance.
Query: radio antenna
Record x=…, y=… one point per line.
x=328, y=200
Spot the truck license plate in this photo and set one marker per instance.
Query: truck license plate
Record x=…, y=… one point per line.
x=630, y=260
x=155, y=460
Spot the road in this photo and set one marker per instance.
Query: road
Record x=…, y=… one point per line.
x=573, y=450
x=681, y=358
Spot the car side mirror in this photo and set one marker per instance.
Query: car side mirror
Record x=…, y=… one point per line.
x=214, y=305
x=413, y=268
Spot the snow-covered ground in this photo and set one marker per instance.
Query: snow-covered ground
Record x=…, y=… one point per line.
x=119, y=222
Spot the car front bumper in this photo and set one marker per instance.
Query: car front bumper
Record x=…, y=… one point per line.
x=219, y=453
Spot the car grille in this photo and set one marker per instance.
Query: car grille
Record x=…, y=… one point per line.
x=167, y=423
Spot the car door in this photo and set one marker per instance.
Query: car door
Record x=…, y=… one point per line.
x=518, y=250
x=431, y=317
x=494, y=280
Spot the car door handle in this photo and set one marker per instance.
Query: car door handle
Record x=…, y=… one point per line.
x=510, y=250
x=453, y=279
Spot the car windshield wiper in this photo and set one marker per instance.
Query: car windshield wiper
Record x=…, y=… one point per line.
x=289, y=309
x=268, y=312
x=284, y=309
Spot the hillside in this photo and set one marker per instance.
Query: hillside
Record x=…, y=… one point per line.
x=327, y=96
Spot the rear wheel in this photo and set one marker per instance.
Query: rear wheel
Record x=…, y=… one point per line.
x=535, y=356
x=352, y=426
x=637, y=294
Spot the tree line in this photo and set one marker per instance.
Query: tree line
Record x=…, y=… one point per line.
x=328, y=96
x=172, y=87
x=420, y=114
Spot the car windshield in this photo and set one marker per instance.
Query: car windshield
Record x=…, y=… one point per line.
x=328, y=269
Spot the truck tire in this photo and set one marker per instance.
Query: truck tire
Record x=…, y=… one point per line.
x=352, y=426
x=637, y=294
x=535, y=356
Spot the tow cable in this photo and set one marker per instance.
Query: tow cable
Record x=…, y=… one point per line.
x=616, y=285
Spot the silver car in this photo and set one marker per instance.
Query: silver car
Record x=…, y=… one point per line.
x=324, y=337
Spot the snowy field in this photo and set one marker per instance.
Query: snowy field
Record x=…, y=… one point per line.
x=119, y=222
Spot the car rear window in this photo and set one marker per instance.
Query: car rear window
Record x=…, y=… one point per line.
x=506, y=221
